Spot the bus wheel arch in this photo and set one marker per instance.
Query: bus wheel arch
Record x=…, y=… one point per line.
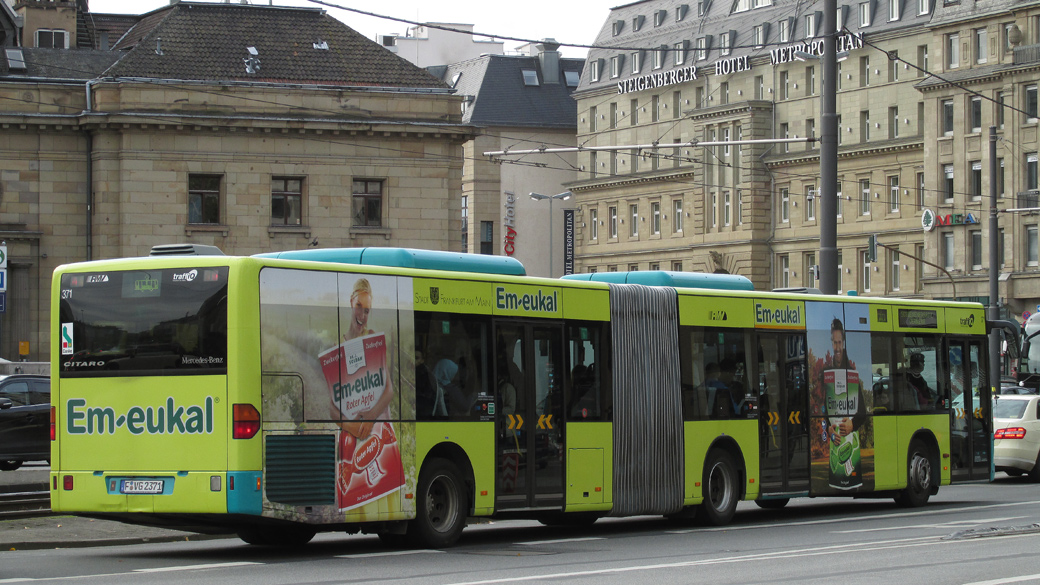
x=923, y=472
x=444, y=497
x=723, y=482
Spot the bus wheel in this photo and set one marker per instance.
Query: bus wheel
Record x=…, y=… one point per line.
x=276, y=536
x=441, y=505
x=721, y=491
x=10, y=465
x=772, y=504
x=920, y=477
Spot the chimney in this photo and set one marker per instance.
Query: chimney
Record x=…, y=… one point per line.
x=549, y=58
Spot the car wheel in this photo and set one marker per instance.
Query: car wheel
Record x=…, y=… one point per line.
x=721, y=491
x=441, y=505
x=10, y=465
x=921, y=476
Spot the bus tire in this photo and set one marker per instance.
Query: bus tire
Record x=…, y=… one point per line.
x=772, y=504
x=721, y=489
x=291, y=537
x=920, y=476
x=441, y=506
x=10, y=465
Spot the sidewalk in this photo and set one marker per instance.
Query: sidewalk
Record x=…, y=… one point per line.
x=74, y=531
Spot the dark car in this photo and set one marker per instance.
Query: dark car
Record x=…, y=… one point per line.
x=25, y=419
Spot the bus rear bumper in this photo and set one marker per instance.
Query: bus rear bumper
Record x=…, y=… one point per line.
x=184, y=492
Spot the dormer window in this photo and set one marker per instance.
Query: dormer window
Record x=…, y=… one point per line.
x=810, y=25
x=741, y=5
x=637, y=22
x=659, y=57
x=617, y=27
x=680, y=12
x=785, y=30
x=727, y=43
x=702, y=7
x=680, y=52
x=637, y=59
x=615, y=65
x=52, y=39
x=757, y=36
x=594, y=70
x=659, y=16
x=571, y=78
x=702, y=48
x=893, y=9
x=864, y=14
x=530, y=76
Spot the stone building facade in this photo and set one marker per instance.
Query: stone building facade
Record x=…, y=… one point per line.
x=284, y=131
x=673, y=74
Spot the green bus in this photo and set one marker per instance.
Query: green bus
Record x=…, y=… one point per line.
x=404, y=392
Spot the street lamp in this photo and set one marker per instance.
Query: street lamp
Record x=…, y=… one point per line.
x=538, y=197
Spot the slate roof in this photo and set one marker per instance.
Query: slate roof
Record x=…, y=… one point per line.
x=500, y=97
x=79, y=64
x=115, y=25
x=195, y=41
x=720, y=19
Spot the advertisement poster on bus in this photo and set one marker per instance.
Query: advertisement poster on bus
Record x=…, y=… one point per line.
x=841, y=432
x=329, y=347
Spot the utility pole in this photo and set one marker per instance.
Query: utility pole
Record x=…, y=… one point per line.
x=829, y=153
x=994, y=266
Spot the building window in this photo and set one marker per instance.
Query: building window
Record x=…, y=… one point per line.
x=659, y=58
x=810, y=203
x=976, y=114
x=783, y=134
x=810, y=81
x=810, y=132
x=893, y=194
x=677, y=216
x=810, y=25
x=864, y=71
x=920, y=191
x=367, y=196
x=702, y=48
x=784, y=86
x=636, y=61
x=531, y=76
x=948, y=251
x=612, y=219
x=615, y=70
x=286, y=200
x=864, y=125
x=613, y=115
x=840, y=271
x=1031, y=172
x=760, y=87
x=593, y=224
x=655, y=110
x=1000, y=109
x=714, y=211
x=953, y=51
x=976, y=181
x=1030, y=105
x=865, y=264
x=1032, y=244
x=946, y=107
x=893, y=10
x=893, y=122
x=784, y=31
x=976, y=250
x=922, y=60
x=980, y=45
x=864, y=14
x=1000, y=246
x=487, y=238
x=893, y=66
x=809, y=272
x=923, y=6
x=1000, y=177
x=594, y=70
x=633, y=213
x=785, y=205
x=1008, y=27
x=724, y=48
x=52, y=39
x=893, y=278
x=680, y=53
x=864, y=196
x=757, y=36
x=655, y=214
x=841, y=200
x=204, y=199
x=947, y=184
x=727, y=208
x=785, y=271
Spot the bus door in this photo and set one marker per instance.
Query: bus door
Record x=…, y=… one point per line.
x=529, y=453
x=970, y=421
x=783, y=420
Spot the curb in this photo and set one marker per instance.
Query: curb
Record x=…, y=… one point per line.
x=39, y=545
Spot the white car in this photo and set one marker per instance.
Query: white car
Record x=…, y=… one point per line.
x=1016, y=434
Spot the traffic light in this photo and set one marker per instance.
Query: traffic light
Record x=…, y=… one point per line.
x=872, y=248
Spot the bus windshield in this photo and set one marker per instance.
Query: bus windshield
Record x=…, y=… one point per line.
x=144, y=322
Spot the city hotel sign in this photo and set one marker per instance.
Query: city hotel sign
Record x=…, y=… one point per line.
x=846, y=42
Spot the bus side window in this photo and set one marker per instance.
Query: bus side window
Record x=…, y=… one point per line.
x=584, y=381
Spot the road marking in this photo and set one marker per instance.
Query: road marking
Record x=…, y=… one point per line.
x=560, y=541
x=851, y=518
x=196, y=567
x=1007, y=580
x=957, y=523
x=809, y=552
x=395, y=553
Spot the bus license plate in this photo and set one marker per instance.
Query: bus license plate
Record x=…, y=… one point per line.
x=140, y=486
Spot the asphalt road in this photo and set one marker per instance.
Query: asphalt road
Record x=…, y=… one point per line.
x=979, y=534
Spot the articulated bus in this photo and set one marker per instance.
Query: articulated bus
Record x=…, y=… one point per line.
x=403, y=393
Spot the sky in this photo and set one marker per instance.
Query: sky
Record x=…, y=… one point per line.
x=567, y=21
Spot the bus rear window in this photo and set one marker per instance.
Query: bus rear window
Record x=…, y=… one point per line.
x=144, y=322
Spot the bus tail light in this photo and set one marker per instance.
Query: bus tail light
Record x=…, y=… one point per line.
x=66, y=482
x=246, y=422
x=54, y=425
x=1010, y=433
